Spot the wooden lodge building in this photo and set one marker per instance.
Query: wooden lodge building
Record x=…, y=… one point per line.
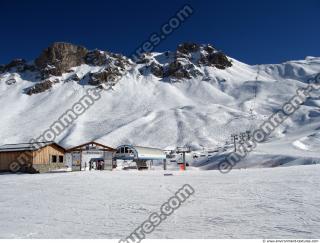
x=31, y=157
x=49, y=156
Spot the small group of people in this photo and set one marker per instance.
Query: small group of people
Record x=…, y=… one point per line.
x=97, y=164
x=100, y=165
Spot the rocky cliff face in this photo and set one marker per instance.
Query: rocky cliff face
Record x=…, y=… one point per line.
x=184, y=63
x=61, y=58
x=39, y=87
x=112, y=66
x=17, y=65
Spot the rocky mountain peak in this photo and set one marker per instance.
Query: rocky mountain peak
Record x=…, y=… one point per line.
x=184, y=63
x=59, y=62
x=59, y=58
x=205, y=55
x=188, y=47
x=17, y=65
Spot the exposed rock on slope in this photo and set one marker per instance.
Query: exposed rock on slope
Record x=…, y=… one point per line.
x=114, y=65
x=74, y=77
x=184, y=63
x=157, y=70
x=17, y=65
x=59, y=58
x=218, y=60
x=187, y=48
x=96, y=58
x=179, y=70
x=203, y=55
x=39, y=87
x=107, y=75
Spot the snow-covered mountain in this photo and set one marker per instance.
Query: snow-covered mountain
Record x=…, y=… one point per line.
x=194, y=96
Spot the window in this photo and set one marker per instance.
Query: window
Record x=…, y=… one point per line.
x=54, y=159
x=60, y=159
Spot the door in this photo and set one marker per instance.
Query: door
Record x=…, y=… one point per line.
x=107, y=156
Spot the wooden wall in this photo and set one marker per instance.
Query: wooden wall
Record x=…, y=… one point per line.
x=6, y=158
x=39, y=157
x=43, y=156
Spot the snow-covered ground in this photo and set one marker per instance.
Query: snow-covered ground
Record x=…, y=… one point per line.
x=253, y=203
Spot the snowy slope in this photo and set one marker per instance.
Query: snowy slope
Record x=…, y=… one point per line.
x=144, y=109
x=266, y=203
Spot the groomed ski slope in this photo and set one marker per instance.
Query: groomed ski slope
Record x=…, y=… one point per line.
x=252, y=203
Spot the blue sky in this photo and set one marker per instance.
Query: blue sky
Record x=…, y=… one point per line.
x=250, y=31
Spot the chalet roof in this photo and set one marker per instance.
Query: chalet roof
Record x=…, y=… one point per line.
x=86, y=146
x=26, y=146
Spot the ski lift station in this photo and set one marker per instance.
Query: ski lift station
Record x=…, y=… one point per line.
x=82, y=156
x=143, y=157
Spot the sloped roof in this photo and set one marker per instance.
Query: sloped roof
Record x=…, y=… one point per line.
x=26, y=146
x=144, y=153
x=152, y=153
x=82, y=147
